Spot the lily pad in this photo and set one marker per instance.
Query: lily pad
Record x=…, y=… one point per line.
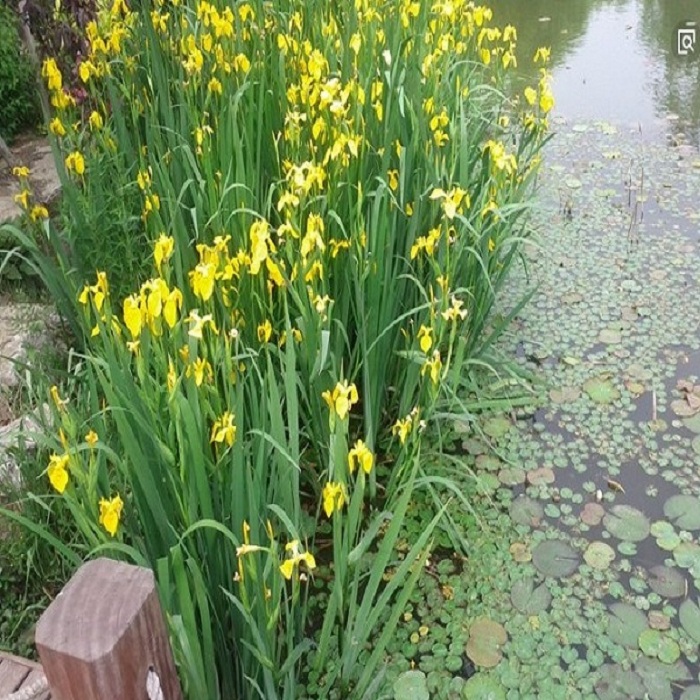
x=684, y=511
x=634, y=387
x=640, y=373
x=483, y=687
x=486, y=638
x=488, y=463
x=537, y=477
x=497, y=426
x=526, y=511
x=659, y=646
x=411, y=685
x=474, y=447
x=669, y=541
x=520, y=552
x=616, y=683
x=658, y=676
x=511, y=476
x=666, y=537
x=625, y=624
x=629, y=313
x=530, y=600
x=555, y=558
x=667, y=582
x=687, y=556
x=693, y=423
x=689, y=616
x=599, y=555
x=626, y=523
x=601, y=390
x=592, y=514
x=658, y=621
x=610, y=336
x=682, y=408
x=567, y=394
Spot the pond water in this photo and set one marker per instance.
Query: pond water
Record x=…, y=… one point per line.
x=593, y=590
x=616, y=60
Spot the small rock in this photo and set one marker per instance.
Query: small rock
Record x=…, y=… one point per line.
x=23, y=326
x=20, y=429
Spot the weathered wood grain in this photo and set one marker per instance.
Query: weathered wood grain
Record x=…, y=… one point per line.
x=103, y=632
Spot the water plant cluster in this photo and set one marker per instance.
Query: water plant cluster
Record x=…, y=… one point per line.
x=283, y=230
x=584, y=582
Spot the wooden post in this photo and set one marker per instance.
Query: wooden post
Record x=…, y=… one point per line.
x=104, y=636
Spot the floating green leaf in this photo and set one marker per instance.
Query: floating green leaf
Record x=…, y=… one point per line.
x=411, y=685
x=555, y=558
x=497, y=426
x=667, y=582
x=537, y=477
x=474, y=447
x=625, y=624
x=599, y=555
x=483, y=687
x=695, y=444
x=486, y=638
x=650, y=641
x=682, y=408
x=616, y=683
x=610, y=336
x=687, y=556
x=693, y=423
x=657, y=676
x=689, y=616
x=684, y=511
x=629, y=549
x=626, y=523
x=488, y=463
x=567, y=394
x=601, y=390
x=526, y=511
x=520, y=552
x=636, y=371
x=666, y=537
x=511, y=476
x=530, y=600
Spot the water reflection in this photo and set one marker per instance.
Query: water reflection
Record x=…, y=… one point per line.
x=613, y=60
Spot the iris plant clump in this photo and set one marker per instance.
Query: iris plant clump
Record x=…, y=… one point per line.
x=284, y=227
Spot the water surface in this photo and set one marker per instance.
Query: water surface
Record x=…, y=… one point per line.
x=616, y=60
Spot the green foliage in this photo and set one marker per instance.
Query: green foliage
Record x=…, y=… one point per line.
x=19, y=107
x=299, y=235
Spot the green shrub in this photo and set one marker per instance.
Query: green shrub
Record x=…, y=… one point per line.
x=18, y=101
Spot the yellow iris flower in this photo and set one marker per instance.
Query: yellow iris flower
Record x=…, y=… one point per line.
x=296, y=558
x=333, y=497
x=360, y=455
x=341, y=399
x=57, y=472
x=110, y=513
x=224, y=429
